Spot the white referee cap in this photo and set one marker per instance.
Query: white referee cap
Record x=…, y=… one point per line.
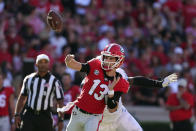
x=41, y=57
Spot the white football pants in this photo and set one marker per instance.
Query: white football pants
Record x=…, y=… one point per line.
x=83, y=122
x=125, y=122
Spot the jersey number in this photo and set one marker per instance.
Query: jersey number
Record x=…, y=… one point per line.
x=101, y=94
x=2, y=101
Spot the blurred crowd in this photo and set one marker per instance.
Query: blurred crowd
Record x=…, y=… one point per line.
x=159, y=38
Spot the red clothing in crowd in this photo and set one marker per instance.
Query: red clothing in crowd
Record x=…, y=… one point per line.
x=5, y=94
x=57, y=6
x=11, y=40
x=180, y=114
x=189, y=12
x=174, y=5
x=5, y=56
x=71, y=95
x=163, y=58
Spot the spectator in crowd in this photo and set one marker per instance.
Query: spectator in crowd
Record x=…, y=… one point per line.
x=7, y=106
x=180, y=107
x=61, y=40
x=5, y=56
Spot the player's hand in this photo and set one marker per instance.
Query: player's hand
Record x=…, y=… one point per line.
x=169, y=79
x=17, y=120
x=113, y=83
x=69, y=58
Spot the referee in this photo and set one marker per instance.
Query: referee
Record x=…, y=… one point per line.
x=38, y=91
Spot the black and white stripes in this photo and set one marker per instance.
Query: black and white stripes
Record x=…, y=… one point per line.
x=41, y=91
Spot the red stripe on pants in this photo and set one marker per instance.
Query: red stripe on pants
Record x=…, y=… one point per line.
x=99, y=123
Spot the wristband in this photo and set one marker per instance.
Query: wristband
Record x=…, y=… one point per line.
x=111, y=92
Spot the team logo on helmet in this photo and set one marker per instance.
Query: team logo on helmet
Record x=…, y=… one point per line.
x=96, y=72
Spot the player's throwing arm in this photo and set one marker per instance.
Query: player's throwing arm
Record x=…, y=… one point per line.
x=72, y=63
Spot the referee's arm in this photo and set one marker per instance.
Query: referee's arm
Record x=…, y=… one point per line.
x=61, y=115
x=21, y=102
x=59, y=95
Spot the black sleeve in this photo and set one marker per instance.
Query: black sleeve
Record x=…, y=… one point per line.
x=117, y=95
x=112, y=102
x=85, y=68
x=145, y=82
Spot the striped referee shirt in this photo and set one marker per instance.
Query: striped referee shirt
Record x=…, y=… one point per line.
x=41, y=91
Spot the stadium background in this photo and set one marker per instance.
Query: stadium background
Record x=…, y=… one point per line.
x=159, y=37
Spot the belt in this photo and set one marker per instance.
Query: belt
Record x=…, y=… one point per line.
x=85, y=112
x=35, y=112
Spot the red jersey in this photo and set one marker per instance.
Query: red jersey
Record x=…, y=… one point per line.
x=174, y=5
x=95, y=88
x=180, y=114
x=5, y=94
x=189, y=12
x=71, y=95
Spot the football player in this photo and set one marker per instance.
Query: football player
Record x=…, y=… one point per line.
x=101, y=79
x=121, y=119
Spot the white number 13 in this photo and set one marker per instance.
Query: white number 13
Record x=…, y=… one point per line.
x=102, y=93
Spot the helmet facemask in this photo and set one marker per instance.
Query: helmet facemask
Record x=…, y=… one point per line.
x=110, y=65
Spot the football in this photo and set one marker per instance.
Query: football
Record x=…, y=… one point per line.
x=54, y=20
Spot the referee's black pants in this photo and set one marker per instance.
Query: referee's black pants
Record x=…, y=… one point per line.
x=184, y=125
x=36, y=121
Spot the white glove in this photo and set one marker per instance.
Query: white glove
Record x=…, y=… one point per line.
x=169, y=79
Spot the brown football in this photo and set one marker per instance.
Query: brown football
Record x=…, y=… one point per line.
x=54, y=20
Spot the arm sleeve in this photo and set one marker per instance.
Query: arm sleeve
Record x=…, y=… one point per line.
x=24, y=91
x=144, y=82
x=85, y=68
x=112, y=102
x=58, y=90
